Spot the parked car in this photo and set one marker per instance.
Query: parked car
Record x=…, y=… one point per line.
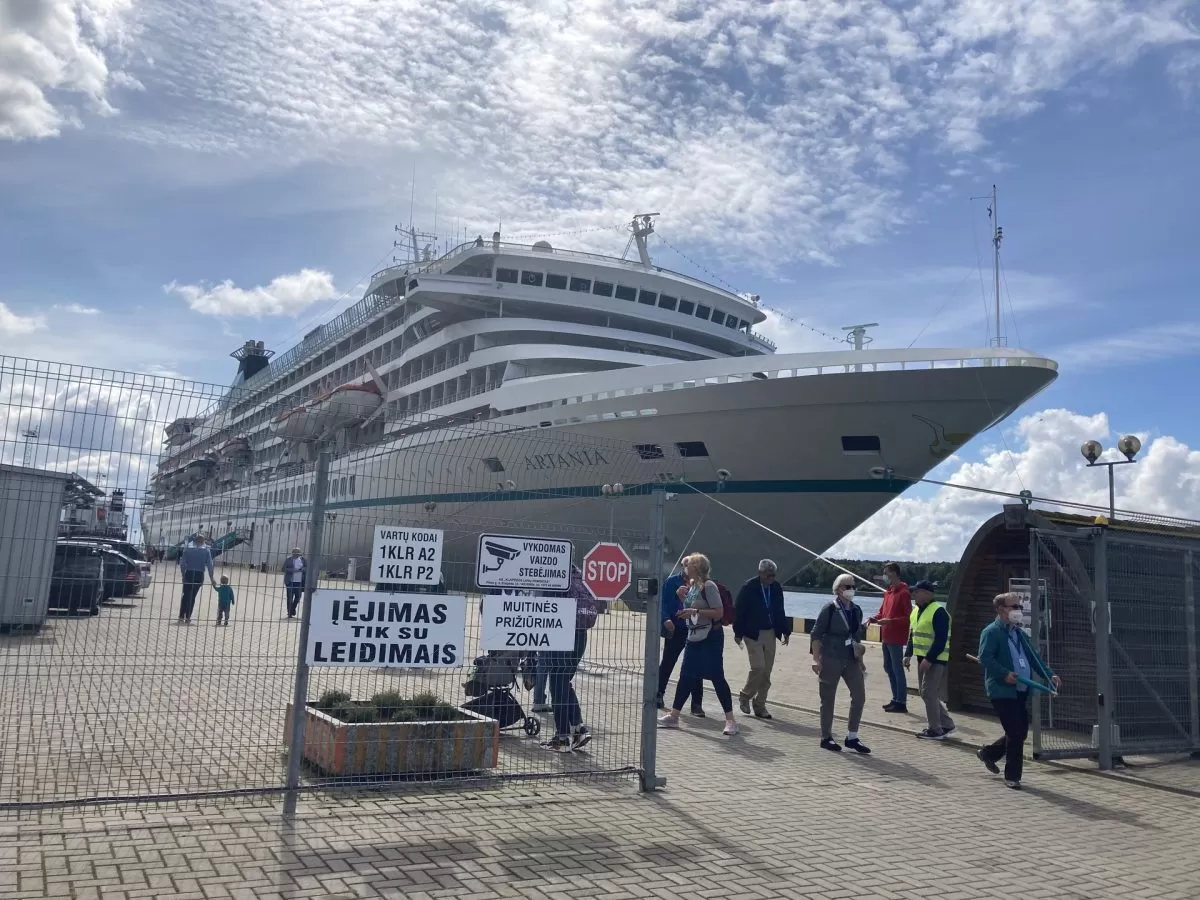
x=133, y=552
x=122, y=575
x=77, y=580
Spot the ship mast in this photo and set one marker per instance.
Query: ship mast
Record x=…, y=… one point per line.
x=997, y=237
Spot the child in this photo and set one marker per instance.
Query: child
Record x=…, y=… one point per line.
x=224, y=601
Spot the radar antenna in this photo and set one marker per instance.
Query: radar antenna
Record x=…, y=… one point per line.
x=642, y=227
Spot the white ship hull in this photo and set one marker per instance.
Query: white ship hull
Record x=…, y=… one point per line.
x=778, y=440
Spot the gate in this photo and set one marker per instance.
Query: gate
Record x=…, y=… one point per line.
x=1114, y=614
x=145, y=699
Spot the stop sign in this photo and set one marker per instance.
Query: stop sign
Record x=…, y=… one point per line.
x=607, y=571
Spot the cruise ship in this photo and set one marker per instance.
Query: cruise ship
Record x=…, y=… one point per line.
x=530, y=389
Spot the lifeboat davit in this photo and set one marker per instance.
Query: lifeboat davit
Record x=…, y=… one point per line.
x=344, y=405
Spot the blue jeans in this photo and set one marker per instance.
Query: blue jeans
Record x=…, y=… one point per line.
x=893, y=665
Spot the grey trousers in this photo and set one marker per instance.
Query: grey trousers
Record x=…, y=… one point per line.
x=849, y=671
x=930, y=684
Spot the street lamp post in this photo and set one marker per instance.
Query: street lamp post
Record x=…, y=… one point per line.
x=1129, y=446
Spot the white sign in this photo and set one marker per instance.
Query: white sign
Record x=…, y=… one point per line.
x=377, y=628
x=528, y=623
x=539, y=564
x=403, y=555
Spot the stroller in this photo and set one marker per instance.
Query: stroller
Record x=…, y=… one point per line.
x=491, y=684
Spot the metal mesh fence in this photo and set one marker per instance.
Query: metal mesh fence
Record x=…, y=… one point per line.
x=121, y=677
x=1116, y=618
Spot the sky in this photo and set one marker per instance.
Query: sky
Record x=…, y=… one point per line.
x=176, y=178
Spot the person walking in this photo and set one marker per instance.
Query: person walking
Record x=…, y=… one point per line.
x=759, y=621
x=225, y=600
x=704, y=655
x=930, y=643
x=893, y=621
x=561, y=665
x=1007, y=656
x=194, y=561
x=675, y=640
x=295, y=568
x=837, y=653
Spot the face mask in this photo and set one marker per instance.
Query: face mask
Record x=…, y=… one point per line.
x=848, y=594
x=887, y=579
x=1015, y=616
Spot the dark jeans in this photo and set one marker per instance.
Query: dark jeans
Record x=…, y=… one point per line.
x=704, y=660
x=191, y=587
x=562, y=666
x=294, y=596
x=541, y=677
x=1014, y=718
x=893, y=665
x=672, y=648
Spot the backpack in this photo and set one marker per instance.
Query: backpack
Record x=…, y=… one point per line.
x=726, y=604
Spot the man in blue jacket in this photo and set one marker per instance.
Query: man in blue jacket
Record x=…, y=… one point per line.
x=675, y=639
x=759, y=621
x=1009, y=662
x=194, y=562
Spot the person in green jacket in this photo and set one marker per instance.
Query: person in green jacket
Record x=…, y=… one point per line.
x=1007, y=657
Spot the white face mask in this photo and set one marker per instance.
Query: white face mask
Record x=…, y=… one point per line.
x=848, y=594
x=887, y=579
x=1015, y=616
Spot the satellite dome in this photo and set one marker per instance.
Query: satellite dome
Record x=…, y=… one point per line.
x=543, y=245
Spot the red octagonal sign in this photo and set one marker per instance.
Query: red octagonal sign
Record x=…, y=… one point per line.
x=607, y=571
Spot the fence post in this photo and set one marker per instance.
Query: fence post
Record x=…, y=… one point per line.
x=1104, y=696
x=1189, y=609
x=1035, y=609
x=649, y=776
x=316, y=535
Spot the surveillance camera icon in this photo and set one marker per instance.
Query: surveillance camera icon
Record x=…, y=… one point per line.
x=723, y=475
x=502, y=552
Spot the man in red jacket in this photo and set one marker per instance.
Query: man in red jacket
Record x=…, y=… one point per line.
x=893, y=622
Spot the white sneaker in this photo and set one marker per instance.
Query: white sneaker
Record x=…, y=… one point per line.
x=670, y=720
x=730, y=729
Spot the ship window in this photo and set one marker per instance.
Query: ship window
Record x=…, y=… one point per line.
x=558, y=282
x=860, y=444
x=626, y=293
x=494, y=465
x=648, y=297
x=602, y=288
x=691, y=448
x=648, y=451
x=533, y=279
x=743, y=325
x=731, y=322
x=686, y=307
x=582, y=285
x=342, y=486
x=666, y=301
x=351, y=485
x=702, y=311
x=509, y=275
x=718, y=317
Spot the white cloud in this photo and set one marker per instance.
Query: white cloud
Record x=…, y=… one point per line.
x=764, y=131
x=51, y=50
x=13, y=324
x=1044, y=458
x=284, y=296
x=77, y=309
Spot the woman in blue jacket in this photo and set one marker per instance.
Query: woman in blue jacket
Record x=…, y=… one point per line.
x=1009, y=662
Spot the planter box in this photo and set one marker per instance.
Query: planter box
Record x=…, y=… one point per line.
x=398, y=748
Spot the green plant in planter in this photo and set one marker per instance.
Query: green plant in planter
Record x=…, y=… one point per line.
x=331, y=700
x=355, y=713
x=388, y=704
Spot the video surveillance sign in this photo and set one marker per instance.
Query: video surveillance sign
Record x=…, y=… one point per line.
x=529, y=563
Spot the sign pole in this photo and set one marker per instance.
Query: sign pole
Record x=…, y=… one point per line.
x=649, y=749
x=316, y=535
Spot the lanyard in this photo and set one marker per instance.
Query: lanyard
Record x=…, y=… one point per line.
x=766, y=595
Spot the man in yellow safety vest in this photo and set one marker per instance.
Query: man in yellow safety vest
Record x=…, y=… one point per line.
x=929, y=642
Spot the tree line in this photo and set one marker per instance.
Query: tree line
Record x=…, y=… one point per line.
x=819, y=574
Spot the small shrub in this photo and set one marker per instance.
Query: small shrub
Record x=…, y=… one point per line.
x=355, y=713
x=404, y=714
x=331, y=700
x=388, y=703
